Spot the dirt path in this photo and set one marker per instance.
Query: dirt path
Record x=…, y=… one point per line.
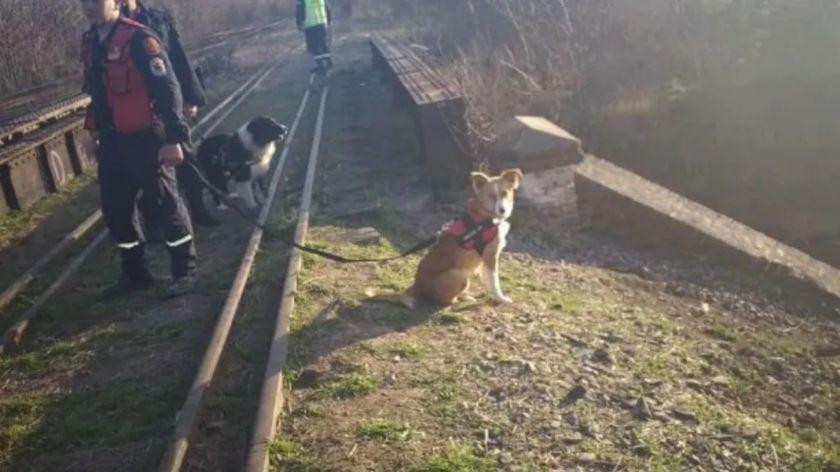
x=611, y=358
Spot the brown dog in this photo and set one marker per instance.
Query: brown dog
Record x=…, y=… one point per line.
x=472, y=242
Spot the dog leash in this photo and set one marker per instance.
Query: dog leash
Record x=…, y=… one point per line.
x=289, y=242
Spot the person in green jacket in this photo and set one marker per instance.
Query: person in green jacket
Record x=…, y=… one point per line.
x=313, y=18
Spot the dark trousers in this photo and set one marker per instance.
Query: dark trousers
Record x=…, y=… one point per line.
x=128, y=165
x=318, y=45
x=189, y=182
x=193, y=189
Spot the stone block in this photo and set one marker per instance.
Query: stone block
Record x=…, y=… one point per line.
x=365, y=235
x=533, y=144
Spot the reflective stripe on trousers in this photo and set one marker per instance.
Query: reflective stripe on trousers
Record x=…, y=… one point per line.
x=180, y=242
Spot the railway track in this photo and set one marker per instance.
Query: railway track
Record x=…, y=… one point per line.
x=14, y=334
x=271, y=397
x=187, y=417
x=202, y=129
x=50, y=149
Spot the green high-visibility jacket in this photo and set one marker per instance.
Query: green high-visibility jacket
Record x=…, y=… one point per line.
x=312, y=13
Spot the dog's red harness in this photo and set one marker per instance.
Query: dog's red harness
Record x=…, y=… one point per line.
x=472, y=231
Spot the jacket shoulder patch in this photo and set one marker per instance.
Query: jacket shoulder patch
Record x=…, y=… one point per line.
x=152, y=46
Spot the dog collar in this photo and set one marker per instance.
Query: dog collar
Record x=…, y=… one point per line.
x=472, y=231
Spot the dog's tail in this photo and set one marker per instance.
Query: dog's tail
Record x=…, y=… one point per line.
x=405, y=299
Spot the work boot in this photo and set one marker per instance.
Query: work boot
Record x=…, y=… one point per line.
x=181, y=286
x=126, y=286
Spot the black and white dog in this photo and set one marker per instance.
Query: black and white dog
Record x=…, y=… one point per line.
x=243, y=157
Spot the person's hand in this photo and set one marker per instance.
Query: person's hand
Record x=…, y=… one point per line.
x=171, y=155
x=190, y=111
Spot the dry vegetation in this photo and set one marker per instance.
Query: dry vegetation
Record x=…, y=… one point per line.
x=728, y=101
x=40, y=38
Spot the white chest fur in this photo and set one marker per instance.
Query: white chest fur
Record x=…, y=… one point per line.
x=504, y=229
x=260, y=168
x=261, y=155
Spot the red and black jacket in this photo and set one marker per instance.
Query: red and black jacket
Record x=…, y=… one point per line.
x=131, y=83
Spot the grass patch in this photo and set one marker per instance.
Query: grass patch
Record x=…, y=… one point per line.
x=366, y=347
x=448, y=318
x=384, y=430
x=445, y=388
x=456, y=459
x=354, y=384
x=802, y=451
x=57, y=356
x=287, y=456
x=116, y=413
x=160, y=334
x=61, y=355
x=17, y=224
x=407, y=350
x=722, y=332
x=443, y=399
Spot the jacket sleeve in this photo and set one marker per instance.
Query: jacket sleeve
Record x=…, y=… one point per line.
x=191, y=89
x=153, y=63
x=300, y=14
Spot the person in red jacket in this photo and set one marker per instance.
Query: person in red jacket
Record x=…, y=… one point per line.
x=136, y=118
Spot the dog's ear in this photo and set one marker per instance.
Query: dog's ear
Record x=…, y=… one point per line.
x=478, y=180
x=513, y=177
